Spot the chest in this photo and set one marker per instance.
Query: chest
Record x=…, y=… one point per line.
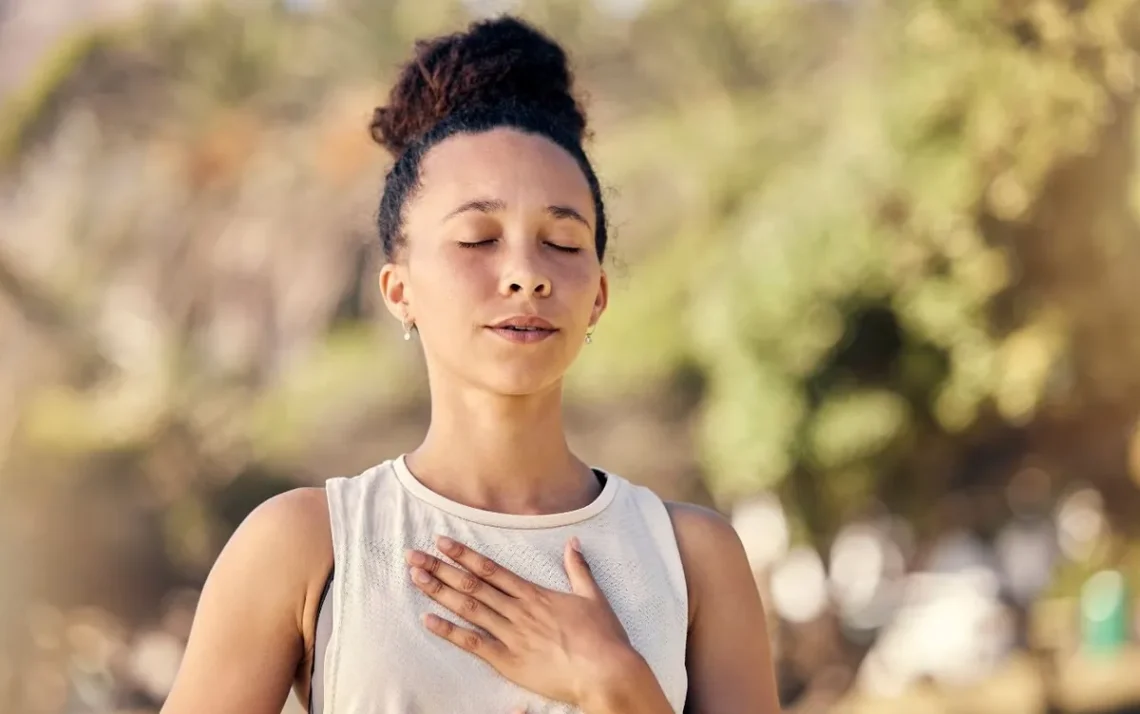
x=383, y=661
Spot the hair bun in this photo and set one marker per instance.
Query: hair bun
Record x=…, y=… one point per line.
x=503, y=60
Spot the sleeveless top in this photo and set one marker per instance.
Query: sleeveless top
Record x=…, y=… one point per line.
x=373, y=654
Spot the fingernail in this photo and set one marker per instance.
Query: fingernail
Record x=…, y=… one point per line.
x=445, y=543
x=576, y=544
x=415, y=557
x=420, y=575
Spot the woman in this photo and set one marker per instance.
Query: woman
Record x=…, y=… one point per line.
x=489, y=570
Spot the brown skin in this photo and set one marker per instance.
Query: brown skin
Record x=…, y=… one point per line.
x=495, y=442
x=499, y=404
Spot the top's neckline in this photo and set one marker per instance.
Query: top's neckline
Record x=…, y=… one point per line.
x=504, y=520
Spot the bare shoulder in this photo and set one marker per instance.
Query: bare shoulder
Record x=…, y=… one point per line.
x=703, y=533
x=290, y=530
x=728, y=650
x=292, y=517
x=711, y=552
x=289, y=536
x=251, y=628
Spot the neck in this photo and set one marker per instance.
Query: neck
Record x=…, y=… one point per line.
x=505, y=454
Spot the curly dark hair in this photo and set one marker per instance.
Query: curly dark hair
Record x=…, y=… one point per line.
x=498, y=73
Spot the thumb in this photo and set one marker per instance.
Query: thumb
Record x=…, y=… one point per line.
x=581, y=579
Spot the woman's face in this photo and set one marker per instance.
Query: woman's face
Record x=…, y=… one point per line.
x=500, y=272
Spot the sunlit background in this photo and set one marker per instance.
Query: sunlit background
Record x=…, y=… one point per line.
x=876, y=298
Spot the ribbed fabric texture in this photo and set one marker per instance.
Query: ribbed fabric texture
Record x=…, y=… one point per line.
x=381, y=660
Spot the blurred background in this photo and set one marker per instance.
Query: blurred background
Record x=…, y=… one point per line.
x=876, y=298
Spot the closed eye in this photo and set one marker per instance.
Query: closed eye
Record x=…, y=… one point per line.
x=564, y=248
x=477, y=243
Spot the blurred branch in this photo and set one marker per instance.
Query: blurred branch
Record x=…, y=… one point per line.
x=46, y=315
x=35, y=306
x=29, y=109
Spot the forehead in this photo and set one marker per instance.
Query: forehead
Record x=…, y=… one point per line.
x=523, y=170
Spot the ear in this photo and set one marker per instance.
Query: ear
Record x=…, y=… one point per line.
x=601, y=300
x=394, y=289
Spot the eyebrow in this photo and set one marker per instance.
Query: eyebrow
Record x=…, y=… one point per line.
x=567, y=212
x=491, y=205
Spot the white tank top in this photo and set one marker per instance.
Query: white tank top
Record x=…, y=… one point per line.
x=381, y=660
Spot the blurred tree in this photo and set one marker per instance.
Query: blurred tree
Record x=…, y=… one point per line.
x=874, y=246
x=911, y=212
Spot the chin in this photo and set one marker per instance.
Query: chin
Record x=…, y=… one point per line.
x=520, y=382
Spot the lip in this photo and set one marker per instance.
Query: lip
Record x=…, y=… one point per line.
x=523, y=322
x=524, y=329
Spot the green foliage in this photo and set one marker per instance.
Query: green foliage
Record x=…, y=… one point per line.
x=874, y=178
x=815, y=200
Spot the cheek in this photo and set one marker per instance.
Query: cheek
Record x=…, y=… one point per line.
x=580, y=284
x=446, y=286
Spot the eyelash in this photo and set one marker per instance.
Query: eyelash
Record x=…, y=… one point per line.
x=476, y=244
x=555, y=246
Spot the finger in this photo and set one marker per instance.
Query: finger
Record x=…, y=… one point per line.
x=464, y=582
x=578, y=570
x=463, y=605
x=486, y=648
x=485, y=568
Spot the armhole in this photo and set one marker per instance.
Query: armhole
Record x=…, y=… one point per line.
x=321, y=634
x=325, y=638
x=660, y=522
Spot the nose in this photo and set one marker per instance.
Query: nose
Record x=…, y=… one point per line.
x=539, y=287
x=524, y=275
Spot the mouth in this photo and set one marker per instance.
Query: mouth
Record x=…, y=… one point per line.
x=524, y=329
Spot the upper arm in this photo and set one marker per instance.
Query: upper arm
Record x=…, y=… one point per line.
x=729, y=655
x=247, y=638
